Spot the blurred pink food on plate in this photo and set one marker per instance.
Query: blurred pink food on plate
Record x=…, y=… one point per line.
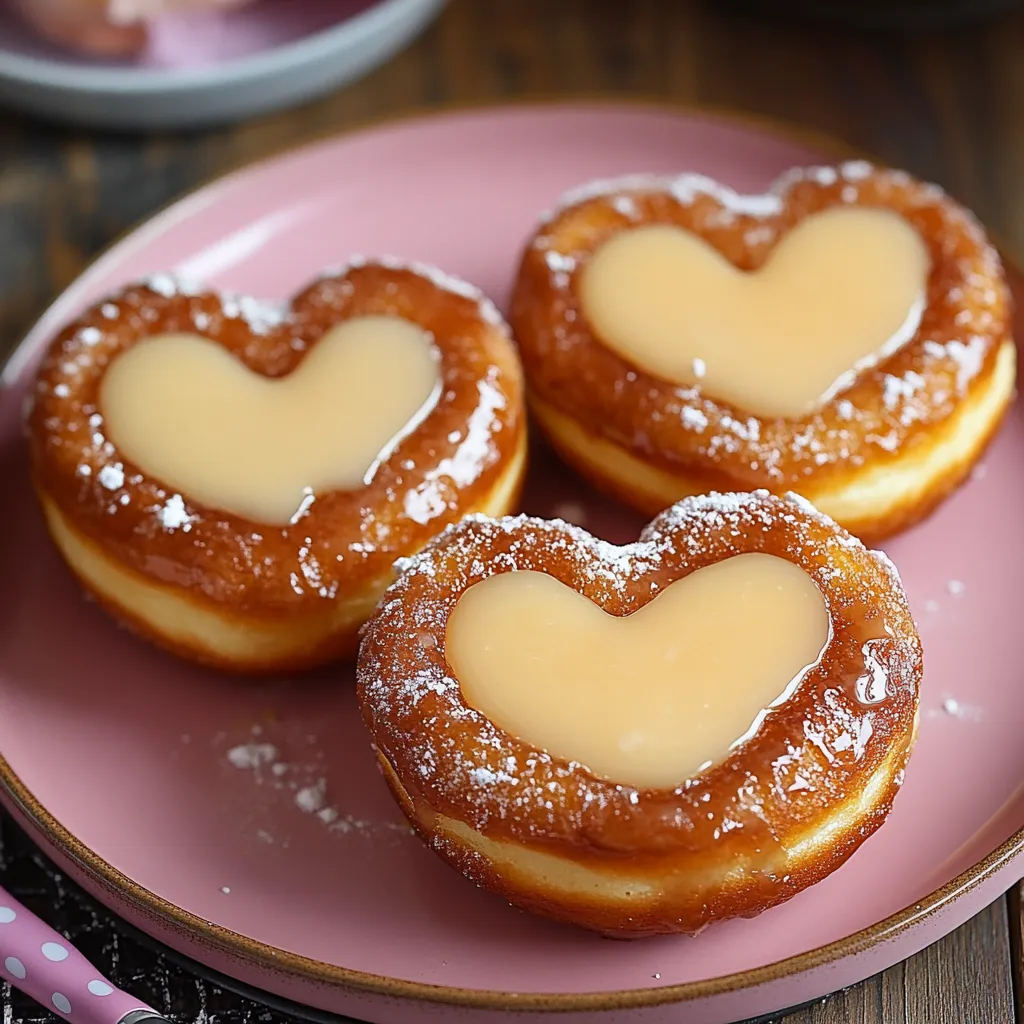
x=180, y=33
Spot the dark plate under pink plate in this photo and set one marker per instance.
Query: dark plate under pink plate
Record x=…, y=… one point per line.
x=246, y=824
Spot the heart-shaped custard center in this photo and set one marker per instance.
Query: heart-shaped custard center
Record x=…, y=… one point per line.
x=194, y=416
x=843, y=289
x=647, y=699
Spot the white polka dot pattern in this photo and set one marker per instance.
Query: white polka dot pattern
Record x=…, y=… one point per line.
x=48, y=969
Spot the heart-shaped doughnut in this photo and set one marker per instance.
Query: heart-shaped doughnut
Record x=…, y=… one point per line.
x=524, y=735
x=846, y=334
x=203, y=474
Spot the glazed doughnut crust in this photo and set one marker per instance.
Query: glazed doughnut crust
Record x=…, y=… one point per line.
x=877, y=456
x=784, y=809
x=280, y=598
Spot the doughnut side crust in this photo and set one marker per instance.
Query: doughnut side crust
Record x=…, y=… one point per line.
x=247, y=595
x=783, y=810
x=890, y=409
x=872, y=502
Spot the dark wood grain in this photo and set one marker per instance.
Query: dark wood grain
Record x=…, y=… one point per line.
x=948, y=106
x=965, y=977
x=1015, y=901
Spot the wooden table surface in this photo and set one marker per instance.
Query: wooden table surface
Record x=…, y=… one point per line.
x=948, y=106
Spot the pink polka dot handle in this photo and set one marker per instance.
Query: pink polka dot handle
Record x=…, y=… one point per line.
x=45, y=966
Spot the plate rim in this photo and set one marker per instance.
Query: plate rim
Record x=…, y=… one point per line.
x=104, y=79
x=270, y=958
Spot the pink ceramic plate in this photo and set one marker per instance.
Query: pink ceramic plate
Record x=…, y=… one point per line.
x=246, y=825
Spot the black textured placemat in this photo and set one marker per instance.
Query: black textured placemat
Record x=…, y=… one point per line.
x=130, y=963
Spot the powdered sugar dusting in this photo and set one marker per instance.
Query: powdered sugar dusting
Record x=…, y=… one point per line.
x=438, y=491
x=311, y=798
x=264, y=316
x=170, y=286
x=687, y=187
x=488, y=311
x=957, y=709
x=261, y=317
x=303, y=783
x=693, y=419
x=561, y=266
x=173, y=514
x=111, y=476
x=420, y=719
x=252, y=755
x=684, y=188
